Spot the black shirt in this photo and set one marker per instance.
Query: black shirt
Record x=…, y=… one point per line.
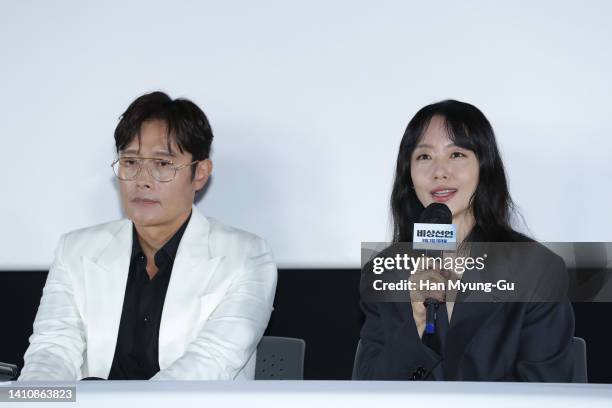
x=137, y=351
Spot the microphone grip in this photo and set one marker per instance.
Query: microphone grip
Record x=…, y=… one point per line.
x=431, y=306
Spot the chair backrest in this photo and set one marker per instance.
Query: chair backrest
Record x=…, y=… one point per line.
x=578, y=351
x=357, y=355
x=280, y=358
x=8, y=372
x=580, y=360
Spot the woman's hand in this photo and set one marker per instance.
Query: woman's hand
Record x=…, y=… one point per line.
x=434, y=283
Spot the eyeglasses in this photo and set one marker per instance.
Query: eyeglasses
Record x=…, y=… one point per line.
x=128, y=168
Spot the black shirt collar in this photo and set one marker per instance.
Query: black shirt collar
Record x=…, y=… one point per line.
x=168, y=250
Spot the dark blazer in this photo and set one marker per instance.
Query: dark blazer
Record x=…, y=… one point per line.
x=486, y=341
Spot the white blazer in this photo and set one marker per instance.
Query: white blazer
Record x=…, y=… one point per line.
x=217, y=305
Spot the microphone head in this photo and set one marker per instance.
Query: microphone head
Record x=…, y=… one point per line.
x=436, y=213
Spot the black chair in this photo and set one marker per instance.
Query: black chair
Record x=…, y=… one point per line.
x=8, y=372
x=357, y=357
x=580, y=360
x=578, y=349
x=280, y=358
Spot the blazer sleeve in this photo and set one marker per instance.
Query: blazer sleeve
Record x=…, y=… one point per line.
x=399, y=355
x=231, y=334
x=58, y=340
x=545, y=349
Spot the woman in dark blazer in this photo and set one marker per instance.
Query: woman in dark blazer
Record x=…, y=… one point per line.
x=449, y=155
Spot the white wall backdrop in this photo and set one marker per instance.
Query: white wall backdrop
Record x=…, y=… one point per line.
x=308, y=102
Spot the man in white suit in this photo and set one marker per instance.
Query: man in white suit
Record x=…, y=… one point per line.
x=167, y=293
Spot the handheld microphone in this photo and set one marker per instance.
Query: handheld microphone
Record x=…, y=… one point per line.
x=434, y=232
x=435, y=229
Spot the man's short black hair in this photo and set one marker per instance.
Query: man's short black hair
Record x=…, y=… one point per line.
x=187, y=124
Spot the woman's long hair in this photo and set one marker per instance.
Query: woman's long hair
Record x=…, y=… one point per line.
x=491, y=204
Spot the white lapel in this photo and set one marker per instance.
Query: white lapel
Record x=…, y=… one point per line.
x=105, y=281
x=191, y=273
